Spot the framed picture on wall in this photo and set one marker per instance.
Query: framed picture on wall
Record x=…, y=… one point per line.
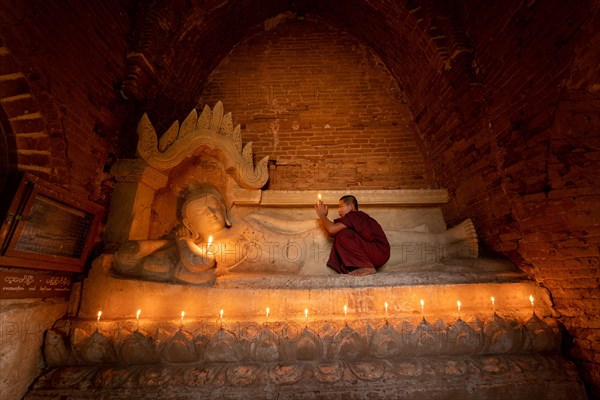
x=47, y=227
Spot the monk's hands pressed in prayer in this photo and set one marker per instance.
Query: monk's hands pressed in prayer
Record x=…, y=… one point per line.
x=331, y=227
x=321, y=209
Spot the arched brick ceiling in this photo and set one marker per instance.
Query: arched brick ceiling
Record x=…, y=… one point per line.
x=200, y=36
x=194, y=38
x=392, y=30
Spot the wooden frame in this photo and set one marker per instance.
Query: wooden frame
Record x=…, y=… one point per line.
x=47, y=227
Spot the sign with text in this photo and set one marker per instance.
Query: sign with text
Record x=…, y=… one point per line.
x=23, y=285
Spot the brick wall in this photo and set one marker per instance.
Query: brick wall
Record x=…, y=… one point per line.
x=566, y=256
x=322, y=106
x=58, y=70
x=521, y=157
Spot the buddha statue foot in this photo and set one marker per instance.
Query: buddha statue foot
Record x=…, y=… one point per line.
x=463, y=241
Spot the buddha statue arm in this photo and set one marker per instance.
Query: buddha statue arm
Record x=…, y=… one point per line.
x=134, y=251
x=283, y=226
x=192, y=257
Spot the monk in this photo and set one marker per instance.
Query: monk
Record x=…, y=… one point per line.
x=359, y=243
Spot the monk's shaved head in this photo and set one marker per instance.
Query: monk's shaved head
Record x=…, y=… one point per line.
x=350, y=200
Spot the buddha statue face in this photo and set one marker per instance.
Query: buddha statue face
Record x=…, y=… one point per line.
x=204, y=215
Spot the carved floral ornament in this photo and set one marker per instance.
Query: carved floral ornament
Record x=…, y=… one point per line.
x=300, y=380
x=212, y=131
x=122, y=342
x=285, y=356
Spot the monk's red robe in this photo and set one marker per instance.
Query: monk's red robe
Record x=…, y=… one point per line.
x=362, y=244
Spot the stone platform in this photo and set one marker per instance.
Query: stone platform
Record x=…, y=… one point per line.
x=323, y=337
x=245, y=297
x=517, y=377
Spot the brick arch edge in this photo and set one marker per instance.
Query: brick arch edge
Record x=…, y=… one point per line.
x=35, y=138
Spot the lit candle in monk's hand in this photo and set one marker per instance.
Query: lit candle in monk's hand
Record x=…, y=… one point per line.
x=493, y=305
x=98, y=320
x=423, y=309
x=532, y=304
x=137, y=317
x=319, y=197
x=458, y=305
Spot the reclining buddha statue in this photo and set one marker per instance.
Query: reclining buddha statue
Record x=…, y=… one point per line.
x=207, y=244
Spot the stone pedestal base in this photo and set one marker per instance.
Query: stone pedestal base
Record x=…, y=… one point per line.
x=311, y=338
x=460, y=377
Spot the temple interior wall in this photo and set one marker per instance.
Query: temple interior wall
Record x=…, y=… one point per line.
x=22, y=327
x=323, y=106
x=509, y=126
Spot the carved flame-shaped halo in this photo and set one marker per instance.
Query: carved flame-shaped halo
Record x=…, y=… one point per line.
x=213, y=131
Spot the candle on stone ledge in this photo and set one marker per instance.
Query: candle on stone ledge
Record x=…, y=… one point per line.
x=458, y=305
x=137, y=317
x=423, y=309
x=532, y=304
x=386, y=310
x=98, y=320
x=493, y=305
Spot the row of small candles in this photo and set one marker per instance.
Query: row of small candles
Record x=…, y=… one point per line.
x=268, y=310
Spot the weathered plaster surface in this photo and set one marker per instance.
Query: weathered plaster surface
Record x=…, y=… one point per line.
x=22, y=327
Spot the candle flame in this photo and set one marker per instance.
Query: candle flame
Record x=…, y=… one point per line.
x=458, y=304
x=386, y=306
x=492, y=299
x=210, y=239
x=531, y=299
x=345, y=309
x=99, y=315
x=305, y=313
x=137, y=315
x=267, y=310
x=182, y=314
x=422, y=303
x=319, y=196
x=221, y=314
